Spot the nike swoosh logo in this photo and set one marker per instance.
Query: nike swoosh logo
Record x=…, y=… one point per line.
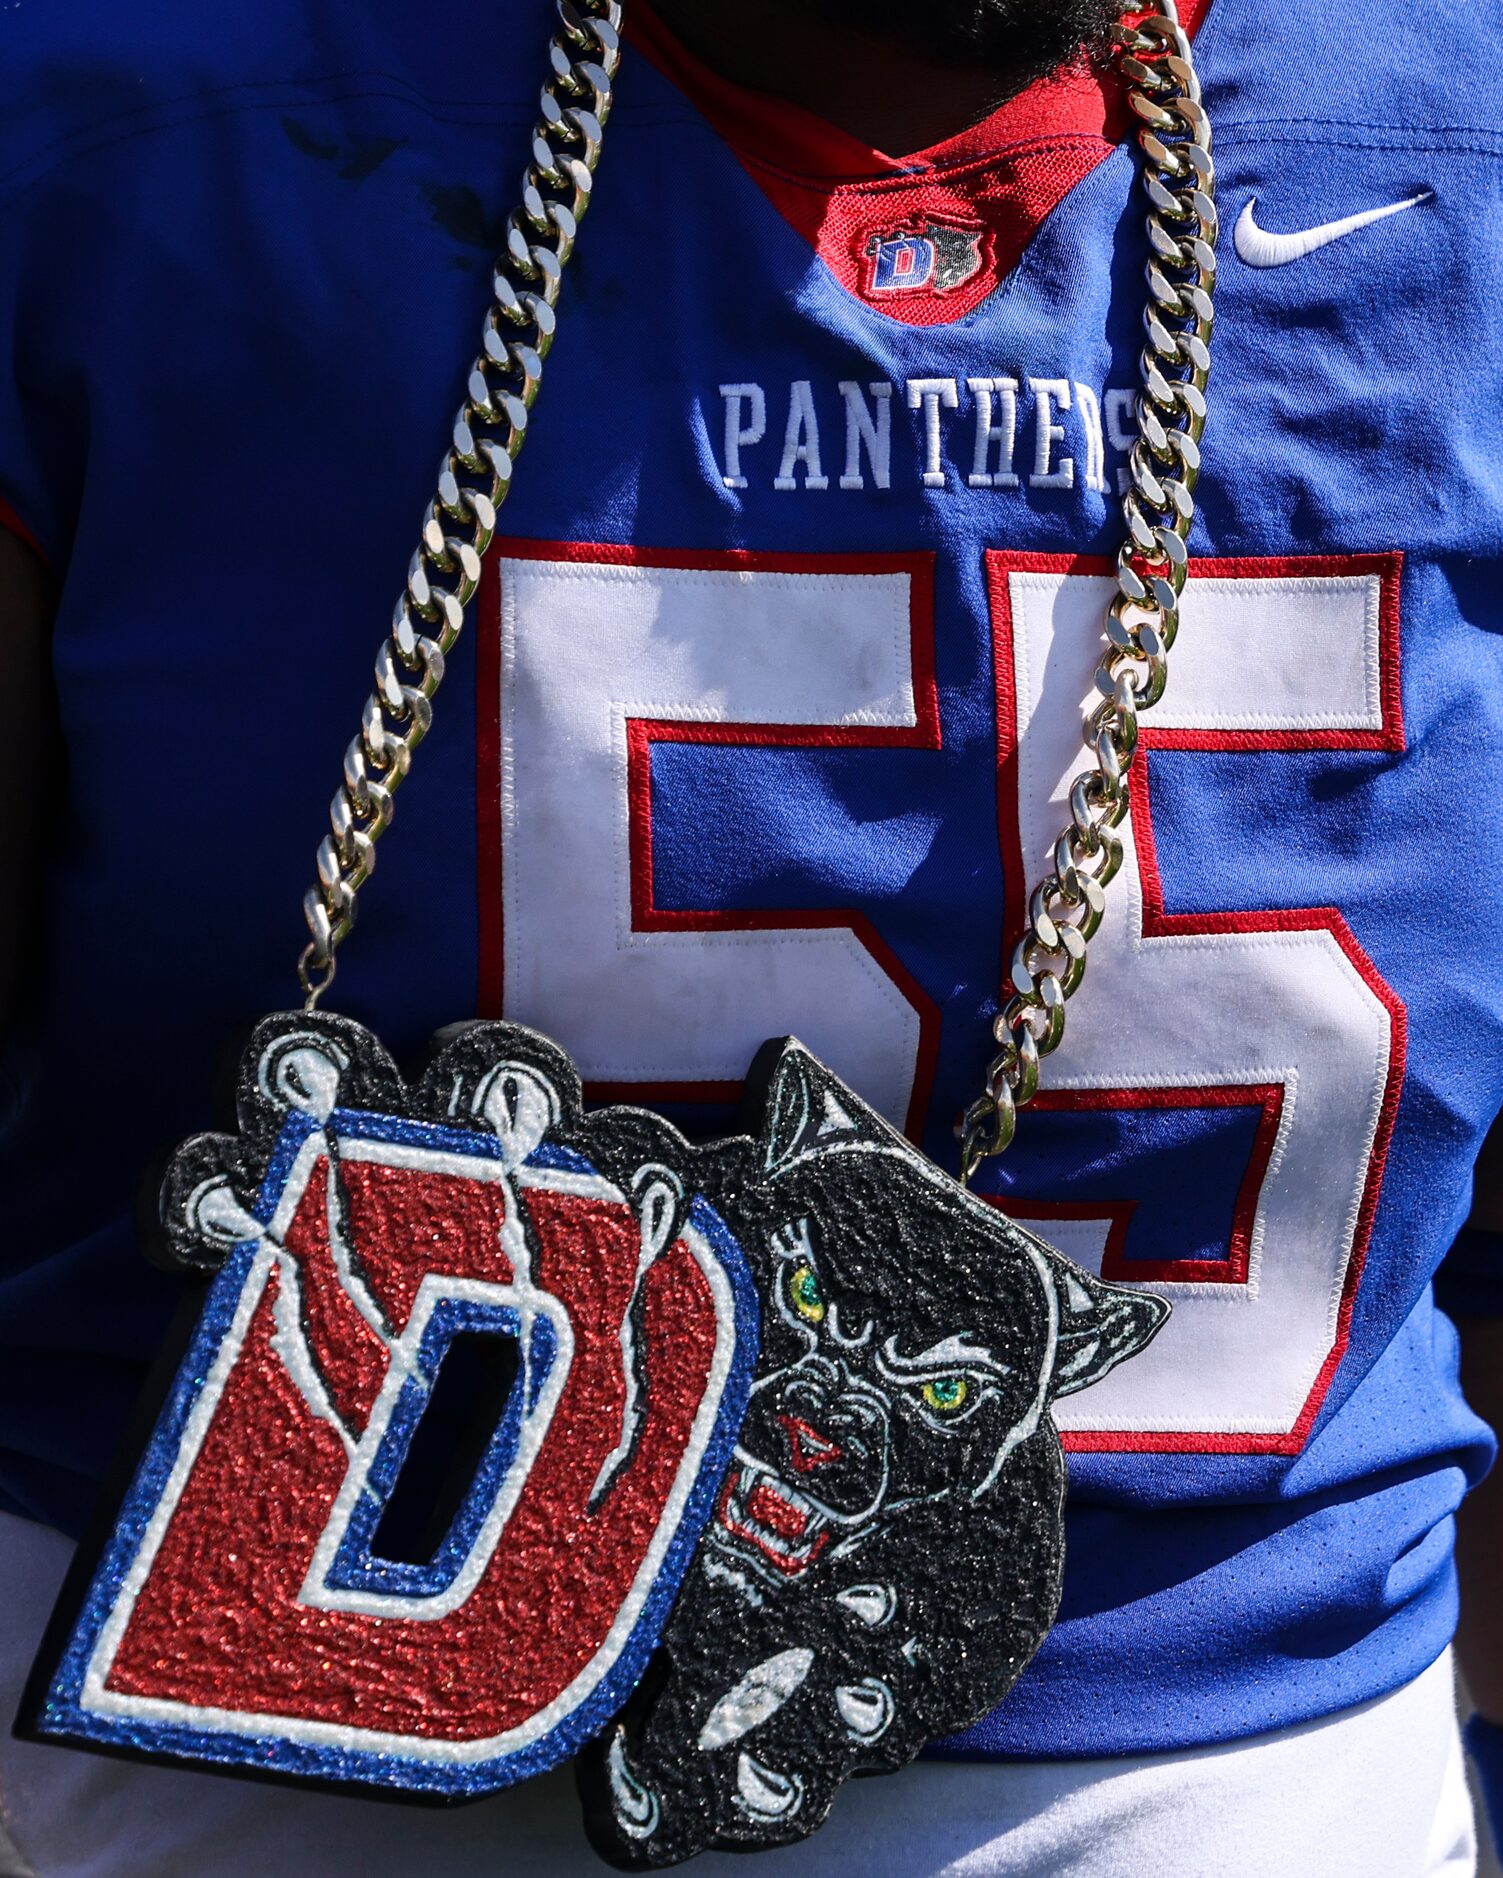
x=1258, y=247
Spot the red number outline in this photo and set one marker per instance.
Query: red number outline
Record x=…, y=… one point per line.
x=643, y=733
x=1158, y=923
x=1267, y=1098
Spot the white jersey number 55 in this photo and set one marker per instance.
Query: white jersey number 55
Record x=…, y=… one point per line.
x=591, y=654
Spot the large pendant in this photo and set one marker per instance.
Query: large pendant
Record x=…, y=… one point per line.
x=508, y=1433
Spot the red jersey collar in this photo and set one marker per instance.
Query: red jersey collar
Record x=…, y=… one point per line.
x=924, y=237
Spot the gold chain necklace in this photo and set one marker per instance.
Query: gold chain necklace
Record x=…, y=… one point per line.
x=1174, y=137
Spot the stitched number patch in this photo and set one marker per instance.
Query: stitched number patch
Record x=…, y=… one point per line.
x=1265, y=1042
x=1228, y=1150
x=602, y=652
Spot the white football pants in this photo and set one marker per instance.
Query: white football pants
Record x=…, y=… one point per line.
x=1376, y=1791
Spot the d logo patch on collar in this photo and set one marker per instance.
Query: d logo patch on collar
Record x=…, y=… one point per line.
x=507, y=1432
x=929, y=256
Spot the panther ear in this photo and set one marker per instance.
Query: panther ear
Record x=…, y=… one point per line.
x=801, y=1106
x=1100, y=1326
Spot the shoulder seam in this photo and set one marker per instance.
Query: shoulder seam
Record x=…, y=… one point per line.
x=86, y=140
x=1467, y=138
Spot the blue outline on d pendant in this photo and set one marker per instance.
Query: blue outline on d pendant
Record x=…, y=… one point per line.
x=74, y=1704
x=356, y=1565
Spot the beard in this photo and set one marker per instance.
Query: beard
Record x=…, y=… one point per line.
x=1026, y=38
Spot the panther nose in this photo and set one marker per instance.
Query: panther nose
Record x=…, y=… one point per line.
x=808, y=1450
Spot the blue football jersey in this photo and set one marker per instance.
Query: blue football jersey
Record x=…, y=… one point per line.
x=766, y=715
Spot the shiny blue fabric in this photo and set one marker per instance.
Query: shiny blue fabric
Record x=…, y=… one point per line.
x=243, y=256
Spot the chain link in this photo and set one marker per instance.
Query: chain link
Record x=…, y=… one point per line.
x=1064, y=910
x=475, y=474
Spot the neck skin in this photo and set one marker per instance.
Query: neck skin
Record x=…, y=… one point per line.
x=881, y=92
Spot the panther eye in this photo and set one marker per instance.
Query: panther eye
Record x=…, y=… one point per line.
x=946, y=1395
x=805, y=1294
